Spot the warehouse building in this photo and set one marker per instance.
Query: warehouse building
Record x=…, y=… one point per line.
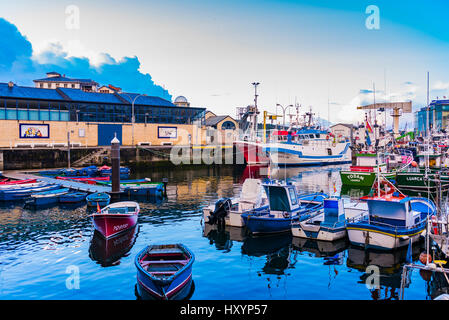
x=44, y=115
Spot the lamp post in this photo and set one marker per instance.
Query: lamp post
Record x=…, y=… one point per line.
x=283, y=112
x=132, y=115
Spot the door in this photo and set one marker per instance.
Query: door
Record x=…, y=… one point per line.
x=106, y=133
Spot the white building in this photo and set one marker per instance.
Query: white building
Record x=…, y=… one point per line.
x=55, y=80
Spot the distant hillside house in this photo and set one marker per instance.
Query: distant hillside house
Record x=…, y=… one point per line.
x=342, y=129
x=109, y=89
x=54, y=80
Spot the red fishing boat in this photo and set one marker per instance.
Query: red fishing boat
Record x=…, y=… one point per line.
x=18, y=181
x=89, y=180
x=115, y=218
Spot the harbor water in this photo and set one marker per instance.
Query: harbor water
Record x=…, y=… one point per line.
x=54, y=253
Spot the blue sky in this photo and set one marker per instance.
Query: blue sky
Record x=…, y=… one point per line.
x=210, y=51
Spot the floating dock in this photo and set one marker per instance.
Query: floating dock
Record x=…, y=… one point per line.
x=75, y=185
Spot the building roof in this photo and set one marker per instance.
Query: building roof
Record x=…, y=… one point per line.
x=64, y=79
x=181, y=99
x=68, y=94
x=349, y=125
x=213, y=121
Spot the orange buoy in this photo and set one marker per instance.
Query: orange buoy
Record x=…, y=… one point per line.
x=424, y=258
x=414, y=164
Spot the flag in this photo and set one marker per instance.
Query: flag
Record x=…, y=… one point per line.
x=368, y=127
x=335, y=189
x=368, y=139
x=98, y=207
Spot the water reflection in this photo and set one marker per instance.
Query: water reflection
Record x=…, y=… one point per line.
x=320, y=249
x=223, y=238
x=390, y=267
x=107, y=252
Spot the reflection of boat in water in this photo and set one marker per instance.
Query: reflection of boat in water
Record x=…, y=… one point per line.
x=276, y=248
x=108, y=252
x=220, y=236
x=354, y=192
x=322, y=249
x=146, y=296
x=254, y=172
x=263, y=245
x=390, y=269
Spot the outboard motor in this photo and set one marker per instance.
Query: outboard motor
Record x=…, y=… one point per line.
x=222, y=208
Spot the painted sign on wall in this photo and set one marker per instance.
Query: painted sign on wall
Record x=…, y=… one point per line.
x=167, y=132
x=34, y=131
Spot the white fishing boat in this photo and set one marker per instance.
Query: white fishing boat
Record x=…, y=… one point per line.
x=308, y=146
x=252, y=197
x=329, y=224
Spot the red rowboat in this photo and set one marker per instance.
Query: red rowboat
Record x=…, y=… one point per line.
x=18, y=181
x=116, y=218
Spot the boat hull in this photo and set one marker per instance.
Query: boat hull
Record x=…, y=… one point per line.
x=374, y=237
x=110, y=225
x=252, y=152
x=299, y=155
x=179, y=289
x=317, y=232
x=361, y=179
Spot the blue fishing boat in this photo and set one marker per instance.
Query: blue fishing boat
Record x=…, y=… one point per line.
x=105, y=171
x=285, y=207
x=164, y=271
x=100, y=198
x=393, y=221
x=21, y=193
x=47, y=197
x=72, y=197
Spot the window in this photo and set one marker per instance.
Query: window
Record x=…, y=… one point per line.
x=228, y=125
x=65, y=85
x=293, y=199
x=73, y=85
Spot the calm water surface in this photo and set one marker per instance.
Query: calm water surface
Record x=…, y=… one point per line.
x=40, y=248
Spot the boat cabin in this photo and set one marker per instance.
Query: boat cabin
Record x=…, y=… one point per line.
x=282, y=198
x=392, y=211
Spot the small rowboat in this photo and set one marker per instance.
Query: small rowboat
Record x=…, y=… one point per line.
x=164, y=271
x=116, y=218
x=72, y=197
x=102, y=199
x=23, y=193
x=47, y=197
x=6, y=182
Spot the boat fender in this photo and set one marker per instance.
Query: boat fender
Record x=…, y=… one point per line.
x=222, y=208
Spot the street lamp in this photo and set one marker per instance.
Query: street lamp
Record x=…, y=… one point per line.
x=283, y=110
x=132, y=116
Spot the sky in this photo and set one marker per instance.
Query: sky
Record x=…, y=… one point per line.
x=321, y=54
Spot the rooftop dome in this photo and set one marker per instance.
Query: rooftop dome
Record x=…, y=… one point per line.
x=181, y=99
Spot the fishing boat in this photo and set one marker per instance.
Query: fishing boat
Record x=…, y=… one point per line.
x=72, y=197
x=329, y=223
x=21, y=193
x=252, y=197
x=363, y=172
x=106, y=171
x=285, y=207
x=88, y=180
x=308, y=147
x=47, y=197
x=164, y=271
x=99, y=198
x=116, y=218
x=14, y=182
x=393, y=220
x=138, y=187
